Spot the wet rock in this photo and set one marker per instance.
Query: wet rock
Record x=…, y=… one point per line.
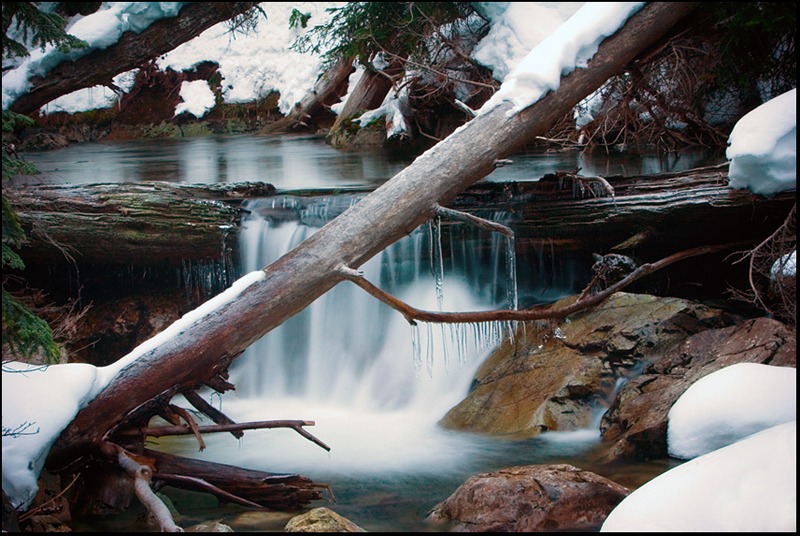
x=636, y=424
x=211, y=526
x=555, y=377
x=321, y=520
x=531, y=498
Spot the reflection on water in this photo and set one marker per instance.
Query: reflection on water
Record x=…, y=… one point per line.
x=294, y=162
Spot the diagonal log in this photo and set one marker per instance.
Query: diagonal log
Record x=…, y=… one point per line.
x=393, y=210
x=132, y=50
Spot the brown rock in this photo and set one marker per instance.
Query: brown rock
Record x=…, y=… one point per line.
x=636, y=423
x=553, y=377
x=321, y=520
x=531, y=498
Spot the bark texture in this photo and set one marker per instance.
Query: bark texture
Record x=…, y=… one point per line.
x=131, y=224
x=141, y=224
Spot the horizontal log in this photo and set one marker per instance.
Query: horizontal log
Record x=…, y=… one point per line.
x=270, y=490
x=660, y=213
x=137, y=223
x=143, y=223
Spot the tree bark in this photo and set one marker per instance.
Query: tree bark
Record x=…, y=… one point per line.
x=130, y=224
x=270, y=490
x=369, y=93
x=294, y=281
x=131, y=51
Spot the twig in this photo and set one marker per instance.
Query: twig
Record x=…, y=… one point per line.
x=41, y=507
x=412, y=314
x=161, y=431
x=473, y=220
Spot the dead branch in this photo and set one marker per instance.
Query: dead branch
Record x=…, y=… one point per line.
x=473, y=220
x=42, y=508
x=201, y=484
x=187, y=417
x=141, y=475
x=161, y=431
x=770, y=289
x=210, y=411
x=412, y=314
x=284, y=491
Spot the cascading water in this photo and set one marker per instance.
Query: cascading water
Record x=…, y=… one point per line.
x=374, y=385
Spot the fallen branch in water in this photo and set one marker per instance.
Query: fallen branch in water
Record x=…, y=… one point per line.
x=142, y=475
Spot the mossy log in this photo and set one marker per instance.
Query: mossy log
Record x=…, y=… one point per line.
x=134, y=224
x=145, y=223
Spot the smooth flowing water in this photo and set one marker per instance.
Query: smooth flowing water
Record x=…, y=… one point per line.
x=374, y=385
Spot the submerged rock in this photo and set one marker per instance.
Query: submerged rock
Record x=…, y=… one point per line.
x=321, y=520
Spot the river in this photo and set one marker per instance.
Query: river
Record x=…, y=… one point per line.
x=374, y=386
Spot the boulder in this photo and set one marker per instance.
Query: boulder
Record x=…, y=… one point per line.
x=636, y=424
x=531, y=498
x=557, y=376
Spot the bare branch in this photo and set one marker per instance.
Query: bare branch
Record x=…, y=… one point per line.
x=206, y=486
x=412, y=314
x=473, y=220
x=162, y=431
x=141, y=475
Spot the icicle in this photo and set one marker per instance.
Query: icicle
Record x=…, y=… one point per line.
x=415, y=349
x=429, y=353
x=511, y=273
x=437, y=262
x=511, y=330
x=445, y=357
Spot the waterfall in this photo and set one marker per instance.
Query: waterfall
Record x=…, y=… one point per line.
x=349, y=348
x=351, y=360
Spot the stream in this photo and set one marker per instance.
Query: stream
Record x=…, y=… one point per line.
x=374, y=386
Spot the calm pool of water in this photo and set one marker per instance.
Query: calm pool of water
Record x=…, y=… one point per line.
x=300, y=162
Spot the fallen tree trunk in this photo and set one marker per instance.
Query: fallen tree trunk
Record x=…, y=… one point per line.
x=369, y=93
x=132, y=50
x=206, y=347
x=269, y=490
x=130, y=223
x=134, y=224
x=327, y=91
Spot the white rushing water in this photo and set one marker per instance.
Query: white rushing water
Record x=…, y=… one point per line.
x=374, y=385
